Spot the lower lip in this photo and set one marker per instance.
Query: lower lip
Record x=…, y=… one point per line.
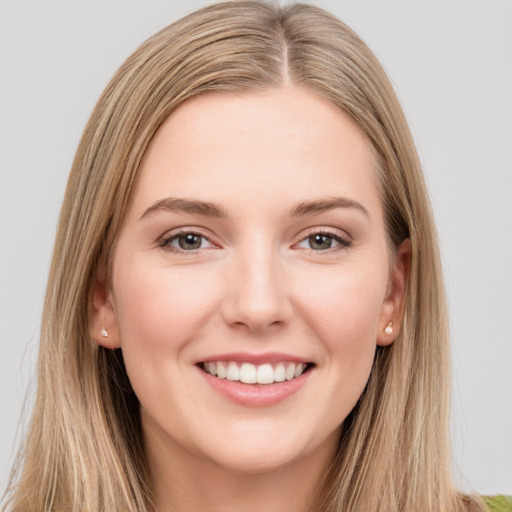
x=256, y=395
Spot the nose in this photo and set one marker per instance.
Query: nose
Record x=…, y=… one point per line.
x=257, y=297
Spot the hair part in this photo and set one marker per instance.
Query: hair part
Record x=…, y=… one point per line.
x=84, y=449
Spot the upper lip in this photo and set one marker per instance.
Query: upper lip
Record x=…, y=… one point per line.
x=245, y=357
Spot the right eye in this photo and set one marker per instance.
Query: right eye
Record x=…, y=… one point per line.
x=187, y=241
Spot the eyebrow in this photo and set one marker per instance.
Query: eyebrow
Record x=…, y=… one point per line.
x=172, y=204
x=322, y=205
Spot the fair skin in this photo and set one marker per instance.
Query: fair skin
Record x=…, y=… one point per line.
x=255, y=234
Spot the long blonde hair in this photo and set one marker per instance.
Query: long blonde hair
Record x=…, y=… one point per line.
x=84, y=450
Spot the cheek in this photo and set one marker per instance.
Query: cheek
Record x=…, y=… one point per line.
x=344, y=304
x=159, y=308
x=159, y=311
x=343, y=310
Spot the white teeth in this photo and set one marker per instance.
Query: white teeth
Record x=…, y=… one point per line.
x=265, y=374
x=221, y=370
x=290, y=371
x=249, y=373
x=298, y=369
x=233, y=373
x=280, y=373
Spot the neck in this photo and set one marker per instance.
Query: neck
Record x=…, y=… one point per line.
x=187, y=482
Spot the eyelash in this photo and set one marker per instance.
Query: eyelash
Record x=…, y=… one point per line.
x=166, y=240
x=344, y=241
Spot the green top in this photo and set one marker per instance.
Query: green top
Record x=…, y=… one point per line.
x=499, y=503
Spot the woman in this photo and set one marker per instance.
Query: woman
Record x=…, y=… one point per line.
x=245, y=296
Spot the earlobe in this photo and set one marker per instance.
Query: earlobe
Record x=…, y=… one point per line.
x=394, y=304
x=102, y=319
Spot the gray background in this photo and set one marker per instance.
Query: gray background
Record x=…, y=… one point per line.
x=451, y=62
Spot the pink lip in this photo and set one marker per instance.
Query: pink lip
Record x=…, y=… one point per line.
x=255, y=395
x=267, y=357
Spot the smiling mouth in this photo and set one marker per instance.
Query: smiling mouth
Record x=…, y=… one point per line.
x=248, y=373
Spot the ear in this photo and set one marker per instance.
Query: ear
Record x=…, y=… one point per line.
x=394, y=303
x=103, y=327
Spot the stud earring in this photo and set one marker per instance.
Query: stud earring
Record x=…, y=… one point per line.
x=389, y=329
x=104, y=332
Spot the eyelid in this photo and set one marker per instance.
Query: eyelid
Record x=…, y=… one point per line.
x=163, y=241
x=344, y=239
x=340, y=235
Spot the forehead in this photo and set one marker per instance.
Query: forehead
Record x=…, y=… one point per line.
x=282, y=143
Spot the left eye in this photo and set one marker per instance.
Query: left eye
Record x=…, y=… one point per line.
x=322, y=242
x=186, y=242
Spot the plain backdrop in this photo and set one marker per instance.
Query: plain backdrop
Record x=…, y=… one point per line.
x=451, y=63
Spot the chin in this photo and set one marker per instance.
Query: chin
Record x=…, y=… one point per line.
x=267, y=452
x=254, y=461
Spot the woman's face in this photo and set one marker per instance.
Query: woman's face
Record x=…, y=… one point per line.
x=254, y=248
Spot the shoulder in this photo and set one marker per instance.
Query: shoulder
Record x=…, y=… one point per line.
x=498, y=503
